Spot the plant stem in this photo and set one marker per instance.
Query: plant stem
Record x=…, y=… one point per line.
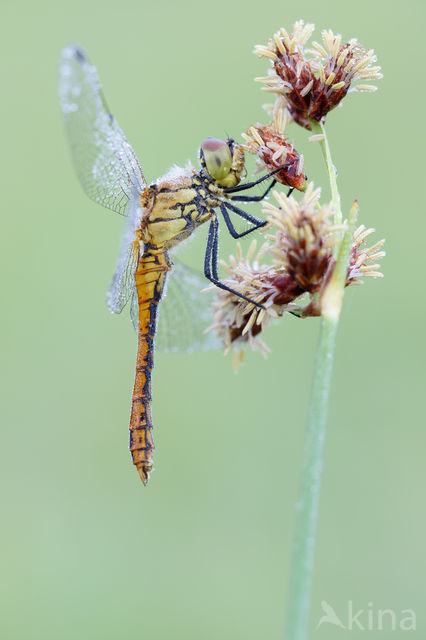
x=307, y=507
x=308, y=504
x=319, y=129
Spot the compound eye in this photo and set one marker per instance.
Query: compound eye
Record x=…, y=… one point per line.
x=218, y=158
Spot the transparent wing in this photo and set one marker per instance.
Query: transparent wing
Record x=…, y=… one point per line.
x=184, y=312
x=106, y=164
x=123, y=284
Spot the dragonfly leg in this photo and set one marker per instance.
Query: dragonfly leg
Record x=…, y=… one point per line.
x=259, y=198
x=215, y=249
x=249, y=185
x=234, y=233
x=244, y=214
x=210, y=262
x=255, y=198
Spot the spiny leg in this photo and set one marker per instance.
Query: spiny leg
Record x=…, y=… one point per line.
x=210, y=262
x=244, y=215
x=234, y=233
x=215, y=250
x=249, y=185
x=254, y=198
x=259, y=198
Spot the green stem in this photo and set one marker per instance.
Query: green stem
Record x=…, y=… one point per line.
x=307, y=508
x=319, y=129
x=308, y=504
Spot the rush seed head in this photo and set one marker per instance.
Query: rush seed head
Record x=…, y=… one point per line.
x=300, y=245
x=273, y=151
x=304, y=237
x=239, y=323
x=312, y=82
x=362, y=262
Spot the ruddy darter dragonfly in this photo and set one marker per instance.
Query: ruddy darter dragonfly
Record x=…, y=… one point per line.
x=159, y=216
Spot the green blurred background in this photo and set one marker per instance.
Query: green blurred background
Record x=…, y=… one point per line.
x=204, y=550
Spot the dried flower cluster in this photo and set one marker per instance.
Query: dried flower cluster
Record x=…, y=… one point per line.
x=274, y=151
x=301, y=249
x=310, y=82
x=361, y=262
x=304, y=237
x=292, y=270
x=237, y=321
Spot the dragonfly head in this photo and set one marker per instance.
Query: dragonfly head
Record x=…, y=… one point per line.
x=222, y=160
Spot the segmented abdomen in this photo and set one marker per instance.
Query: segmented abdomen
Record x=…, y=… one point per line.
x=150, y=280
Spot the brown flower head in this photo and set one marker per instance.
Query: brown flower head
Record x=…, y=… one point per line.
x=362, y=259
x=303, y=263
x=304, y=238
x=311, y=82
x=236, y=321
x=274, y=151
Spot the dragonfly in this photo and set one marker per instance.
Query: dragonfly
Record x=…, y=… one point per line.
x=159, y=216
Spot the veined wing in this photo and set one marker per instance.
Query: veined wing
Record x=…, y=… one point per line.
x=123, y=283
x=106, y=164
x=184, y=312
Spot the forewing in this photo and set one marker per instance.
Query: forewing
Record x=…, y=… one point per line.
x=185, y=312
x=106, y=164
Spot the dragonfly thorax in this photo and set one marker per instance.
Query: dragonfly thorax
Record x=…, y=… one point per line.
x=175, y=205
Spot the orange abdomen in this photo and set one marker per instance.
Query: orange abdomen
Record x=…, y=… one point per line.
x=150, y=280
